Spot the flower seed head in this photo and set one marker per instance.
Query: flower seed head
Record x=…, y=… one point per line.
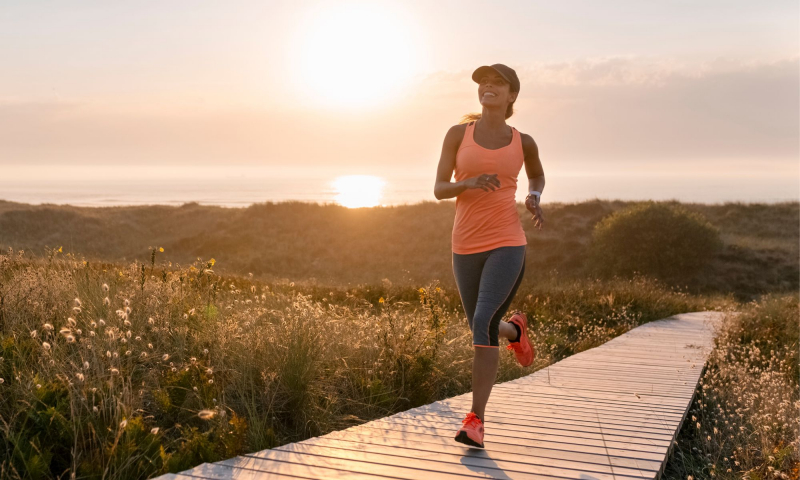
x=206, y=414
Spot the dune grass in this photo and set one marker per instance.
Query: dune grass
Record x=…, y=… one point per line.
x=745, y=421
x=409, y=245
x=129, y=371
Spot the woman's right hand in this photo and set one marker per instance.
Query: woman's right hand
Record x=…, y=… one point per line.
x=488, y=182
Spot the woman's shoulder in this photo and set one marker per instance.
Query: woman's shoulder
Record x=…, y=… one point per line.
x=527, y=140
x=455, y=135
x=458, y=128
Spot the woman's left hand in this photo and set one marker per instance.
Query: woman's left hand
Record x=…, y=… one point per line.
x=538, y=216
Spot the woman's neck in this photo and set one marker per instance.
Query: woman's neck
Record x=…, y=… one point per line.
x=493, y=120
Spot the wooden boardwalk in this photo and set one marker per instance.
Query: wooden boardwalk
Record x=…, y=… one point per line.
x=611, y=412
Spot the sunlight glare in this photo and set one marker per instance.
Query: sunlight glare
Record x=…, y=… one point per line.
x=354, y=55
x=356, y=191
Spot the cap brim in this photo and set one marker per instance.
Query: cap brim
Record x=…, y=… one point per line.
x=481, y=71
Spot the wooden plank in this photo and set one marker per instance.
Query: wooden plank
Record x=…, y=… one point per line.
x=512, y=429
x=561, y=414
x=611, y=413
x=555, y=442
x=520, y=465
x=566, y=424
x=365, y=462
x=446, y=442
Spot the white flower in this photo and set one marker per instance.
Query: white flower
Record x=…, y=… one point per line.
x=206, y=414
x=154, y=430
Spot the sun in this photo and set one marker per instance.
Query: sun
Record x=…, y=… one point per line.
x=357, y=191
x=354, y=54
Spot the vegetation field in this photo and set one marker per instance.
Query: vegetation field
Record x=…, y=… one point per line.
x=409, y=245
x=118, y=361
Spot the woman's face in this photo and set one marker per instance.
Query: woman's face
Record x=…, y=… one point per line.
x=493, y=90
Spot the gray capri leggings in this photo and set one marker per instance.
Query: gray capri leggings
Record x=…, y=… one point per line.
x=487, y=282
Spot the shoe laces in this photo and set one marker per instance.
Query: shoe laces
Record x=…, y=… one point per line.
x=472, y=420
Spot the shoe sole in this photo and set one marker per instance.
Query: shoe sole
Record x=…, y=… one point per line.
x=464, y=438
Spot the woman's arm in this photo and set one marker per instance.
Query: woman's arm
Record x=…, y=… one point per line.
x=533, y=164
x=444, y=188
x=533, y=167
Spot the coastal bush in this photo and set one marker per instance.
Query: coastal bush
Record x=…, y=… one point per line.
x=666, y=241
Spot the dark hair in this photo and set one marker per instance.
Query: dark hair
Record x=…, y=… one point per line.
x=476, y=116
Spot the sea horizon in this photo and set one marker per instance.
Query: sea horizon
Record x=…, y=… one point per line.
x=241, y=186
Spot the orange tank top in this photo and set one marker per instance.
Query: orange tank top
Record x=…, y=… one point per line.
x=487, y=220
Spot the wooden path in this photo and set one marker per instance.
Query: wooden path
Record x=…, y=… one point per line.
x=611, y=412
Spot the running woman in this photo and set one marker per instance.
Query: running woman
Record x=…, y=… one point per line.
x=488, y=241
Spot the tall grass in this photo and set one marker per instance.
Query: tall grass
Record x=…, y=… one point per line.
x=745, y=422
x=129, y=371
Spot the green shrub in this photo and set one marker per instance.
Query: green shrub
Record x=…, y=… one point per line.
x=665, y=241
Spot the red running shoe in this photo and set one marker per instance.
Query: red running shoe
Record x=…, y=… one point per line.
x=523, y=349
x=472, y=431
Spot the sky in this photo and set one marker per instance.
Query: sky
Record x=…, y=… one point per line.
x=708, y=87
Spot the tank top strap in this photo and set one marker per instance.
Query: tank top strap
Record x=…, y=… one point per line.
x=468, y=135
x=516, y=138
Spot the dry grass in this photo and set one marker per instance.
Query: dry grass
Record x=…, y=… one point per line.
x=409, y=245
x=745, y=422
x=169, y=366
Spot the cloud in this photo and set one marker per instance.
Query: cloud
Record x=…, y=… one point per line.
x=625, y=112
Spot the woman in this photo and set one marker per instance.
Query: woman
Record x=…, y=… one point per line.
x=488, y=241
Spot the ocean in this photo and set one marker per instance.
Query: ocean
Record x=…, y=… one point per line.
x=240, y=186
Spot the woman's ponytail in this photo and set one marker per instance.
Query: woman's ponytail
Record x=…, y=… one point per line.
x=477, y=116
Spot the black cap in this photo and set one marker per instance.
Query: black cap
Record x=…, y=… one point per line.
x=507, y=73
